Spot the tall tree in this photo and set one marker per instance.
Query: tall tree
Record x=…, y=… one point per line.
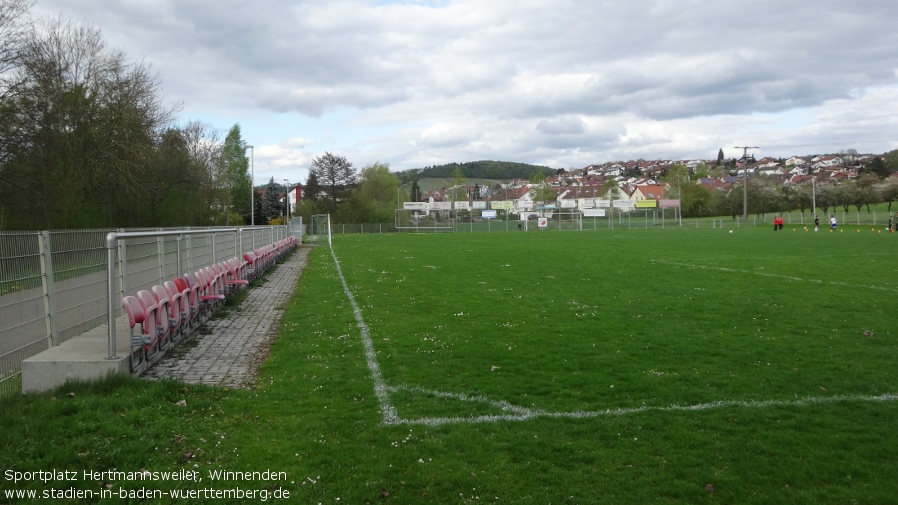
x=234, y=176
x=676, y=177
x=540, y=191
x=335, y=176
x=203, y=144
x=891, y=161
x=864, y=191
x=86, y=123
x=888, y=190
x=13, y=37
x=876, y=166
x=414, y=193
x=272, y=205
x=374, y=200
x=457, y=191
x=177, y=197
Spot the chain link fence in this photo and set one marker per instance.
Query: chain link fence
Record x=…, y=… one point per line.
x=633, y=220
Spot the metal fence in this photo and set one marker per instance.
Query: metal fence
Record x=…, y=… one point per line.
x=634, y=220
x=54, y=284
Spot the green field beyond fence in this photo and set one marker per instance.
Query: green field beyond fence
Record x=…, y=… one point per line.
x=624, y=366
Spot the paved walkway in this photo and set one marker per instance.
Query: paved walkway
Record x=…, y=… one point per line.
x=229, y=350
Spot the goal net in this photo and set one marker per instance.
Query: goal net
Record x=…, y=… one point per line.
x=320, y=230
x=424, y=220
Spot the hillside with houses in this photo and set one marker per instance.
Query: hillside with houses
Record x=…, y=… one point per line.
x=702, y=187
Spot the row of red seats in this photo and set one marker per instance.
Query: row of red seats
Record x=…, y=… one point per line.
x=162, y=316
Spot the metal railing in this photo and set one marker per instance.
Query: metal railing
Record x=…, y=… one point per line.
x=54, y=285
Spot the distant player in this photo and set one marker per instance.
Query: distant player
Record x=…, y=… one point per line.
x=816, y=222
x=832, y=223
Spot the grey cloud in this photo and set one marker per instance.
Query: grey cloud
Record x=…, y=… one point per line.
x=532, y=77
x=561, y=125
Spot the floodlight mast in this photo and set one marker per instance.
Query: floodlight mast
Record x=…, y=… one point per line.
x=745, y=180
x=252, y=190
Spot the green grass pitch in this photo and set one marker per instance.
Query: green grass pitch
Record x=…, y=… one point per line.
x=612, y=366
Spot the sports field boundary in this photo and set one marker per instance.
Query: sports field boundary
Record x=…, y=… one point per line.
x=517, y=413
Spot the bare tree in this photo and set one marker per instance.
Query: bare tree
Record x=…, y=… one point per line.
x=86, y=123
x=335, y=176
x=849, y=158
x=13, y=35
x=204, y=147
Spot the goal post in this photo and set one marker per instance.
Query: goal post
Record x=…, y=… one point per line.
x=320, y=230
x=423, y=219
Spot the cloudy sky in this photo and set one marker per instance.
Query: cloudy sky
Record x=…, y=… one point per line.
x=563, y=83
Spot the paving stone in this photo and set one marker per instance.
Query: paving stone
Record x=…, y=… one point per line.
x=228, y=351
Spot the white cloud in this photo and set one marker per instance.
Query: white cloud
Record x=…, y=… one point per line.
x=559, y=82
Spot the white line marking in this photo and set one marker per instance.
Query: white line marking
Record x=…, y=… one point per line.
x=380, y=386
x=533, y=414
x=799, y=279
x=518, y=413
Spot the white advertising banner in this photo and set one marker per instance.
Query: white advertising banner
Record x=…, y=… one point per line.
x=441, y=206
x=462, y=206
x=594, y=213
x=569, y=204
x=479, y=205
x=415, y=205
x=623, y=204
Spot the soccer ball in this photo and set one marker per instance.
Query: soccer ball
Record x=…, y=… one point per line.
x=731, y=231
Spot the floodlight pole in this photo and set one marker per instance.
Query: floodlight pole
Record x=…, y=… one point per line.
x=745, y=180
x=252, y=189
x=287, y=196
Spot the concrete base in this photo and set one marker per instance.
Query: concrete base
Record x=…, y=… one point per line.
x=82, y=358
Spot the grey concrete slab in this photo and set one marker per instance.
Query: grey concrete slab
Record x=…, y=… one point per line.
x=82, y=358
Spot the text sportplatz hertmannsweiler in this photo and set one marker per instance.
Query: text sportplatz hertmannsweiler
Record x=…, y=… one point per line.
x=47, y=476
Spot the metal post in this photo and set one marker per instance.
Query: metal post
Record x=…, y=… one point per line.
x=252, y=189
x=745, y=180
x=50, y=315
x=112, y=310
x=122, y=265
x=179, y=270
x=160, y=252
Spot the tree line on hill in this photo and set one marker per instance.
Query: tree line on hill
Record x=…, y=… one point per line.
x=486, y=169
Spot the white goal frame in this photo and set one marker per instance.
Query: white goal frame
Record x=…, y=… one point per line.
x=320, y=228
x=423, y=220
